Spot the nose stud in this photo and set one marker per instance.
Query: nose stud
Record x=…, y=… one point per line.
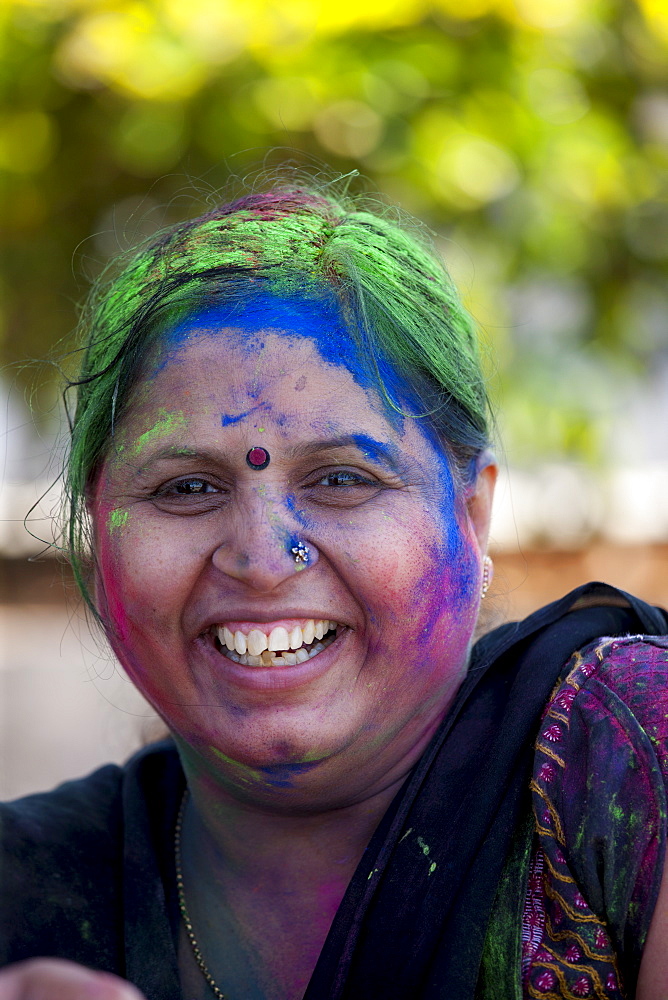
x=301, y=553
x=258, y=458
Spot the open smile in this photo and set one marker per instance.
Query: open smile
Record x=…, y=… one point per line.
x=281, y=644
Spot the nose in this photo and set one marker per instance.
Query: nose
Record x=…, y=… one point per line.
x=265, y=546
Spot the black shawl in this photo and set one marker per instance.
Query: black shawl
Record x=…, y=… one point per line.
x=413, y=921
x=87, y=871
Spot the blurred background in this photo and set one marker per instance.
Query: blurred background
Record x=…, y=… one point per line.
x=530, y=135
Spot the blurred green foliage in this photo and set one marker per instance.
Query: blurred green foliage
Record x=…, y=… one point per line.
x=532, y=135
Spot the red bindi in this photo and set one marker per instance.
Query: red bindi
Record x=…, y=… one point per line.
x=258, y=458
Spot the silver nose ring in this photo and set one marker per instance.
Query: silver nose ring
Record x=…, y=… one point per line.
x=301, y=553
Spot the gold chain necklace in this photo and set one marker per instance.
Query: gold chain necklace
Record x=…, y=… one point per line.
x=217, y=992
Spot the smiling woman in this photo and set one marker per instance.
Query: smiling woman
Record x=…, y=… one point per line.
x=280, y=489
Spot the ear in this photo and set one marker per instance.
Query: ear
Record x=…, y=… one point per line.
x=479, y=498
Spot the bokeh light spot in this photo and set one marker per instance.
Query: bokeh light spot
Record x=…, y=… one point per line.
x=27, y=141
x=150, y=138
x=286, y=102
x=349, y=128
x=557, y=97
x=480, y=169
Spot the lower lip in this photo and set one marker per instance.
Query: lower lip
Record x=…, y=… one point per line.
x=279, y=678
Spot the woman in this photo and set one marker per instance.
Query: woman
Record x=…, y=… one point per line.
x=281, y=484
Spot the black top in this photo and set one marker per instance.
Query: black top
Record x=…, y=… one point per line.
x=88, y=872
x=88, y=869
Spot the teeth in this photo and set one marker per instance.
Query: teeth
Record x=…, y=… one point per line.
x=308, y=632
x=257, y=642
x=279, y=639
x=258, y=649
x=296, y=638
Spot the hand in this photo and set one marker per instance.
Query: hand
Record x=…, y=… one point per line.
x=56, y=979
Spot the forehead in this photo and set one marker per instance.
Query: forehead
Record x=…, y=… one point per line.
x=299, y=352
x=318, y=319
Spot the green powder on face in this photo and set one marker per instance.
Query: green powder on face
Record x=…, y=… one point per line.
x=117, y=518
x=166, y=424
x=244, y=773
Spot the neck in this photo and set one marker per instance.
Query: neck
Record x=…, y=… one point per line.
x=277, y=827
x=274, y=851
x=263, y=887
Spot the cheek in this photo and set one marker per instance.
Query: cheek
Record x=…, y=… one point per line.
x=132, y=581
x=111, y=525
x=427, y=589
x=448, y=590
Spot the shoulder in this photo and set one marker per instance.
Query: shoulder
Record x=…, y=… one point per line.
x=623, y=681
x=61, y=861
x=89, y=804
x=599, y=789
x=602, y=746
x=70, y=807
x=59, y=855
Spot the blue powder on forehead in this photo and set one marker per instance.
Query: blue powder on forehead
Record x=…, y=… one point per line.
x=319, y=319
x=378, y=451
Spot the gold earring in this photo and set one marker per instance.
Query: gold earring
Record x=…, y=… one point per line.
x=487, y=575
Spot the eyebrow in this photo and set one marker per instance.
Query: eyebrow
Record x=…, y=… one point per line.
x=376, y=451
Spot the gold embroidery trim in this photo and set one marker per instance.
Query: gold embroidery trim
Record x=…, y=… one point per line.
x=566, y=933
x=567, y=908
x=564, y=990
x=557, y=874
x=558, y=828
x=551, y=754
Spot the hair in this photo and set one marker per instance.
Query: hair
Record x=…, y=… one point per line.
x=296, y=239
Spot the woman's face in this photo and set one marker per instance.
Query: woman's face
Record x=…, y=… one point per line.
x=194, y=545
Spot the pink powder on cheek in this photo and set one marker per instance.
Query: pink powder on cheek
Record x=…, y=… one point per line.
x=107, y=576
x=445, y=601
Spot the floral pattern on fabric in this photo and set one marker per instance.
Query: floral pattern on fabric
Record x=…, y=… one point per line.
x=599, y=799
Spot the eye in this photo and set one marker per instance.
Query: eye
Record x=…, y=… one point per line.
x=341, y=488
x=344, y=478
x=189, y=495
x=190, y=487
